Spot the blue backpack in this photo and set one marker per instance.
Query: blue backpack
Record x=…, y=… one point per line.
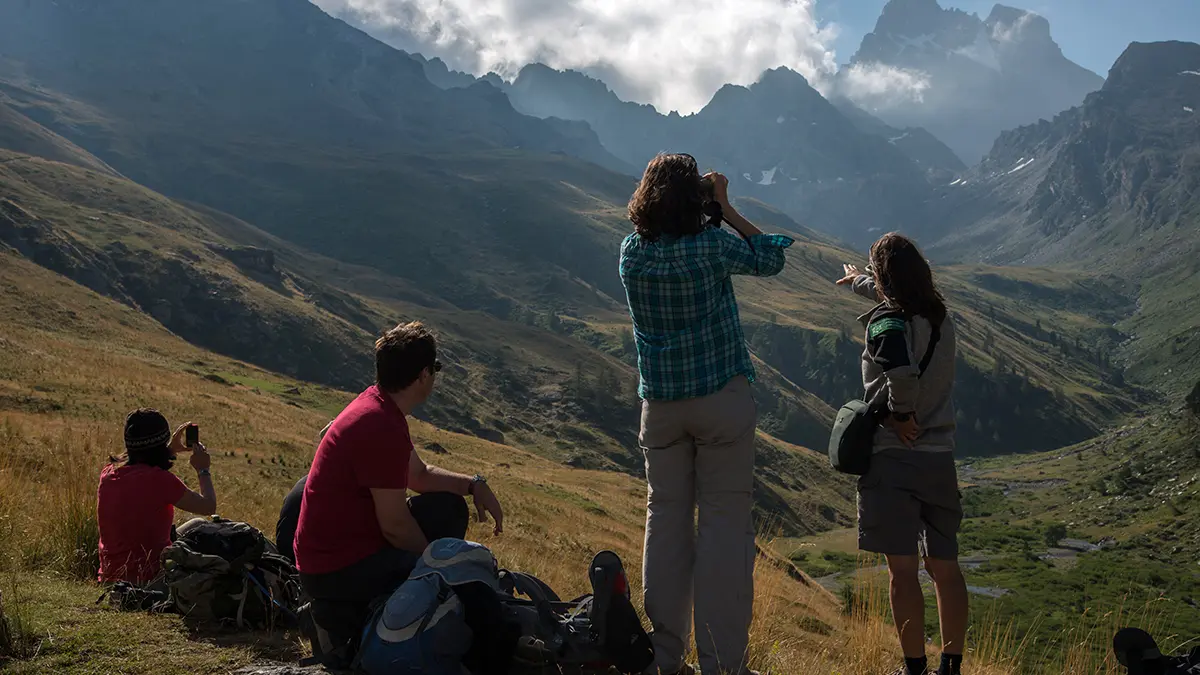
x=422, y=627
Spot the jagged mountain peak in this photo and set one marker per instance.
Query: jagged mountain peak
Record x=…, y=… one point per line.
x=538, y=70
x=911, y=17
x=783, y=76
x=982, y=76
x=1032, y=24
x=781, y=90
x=1143, y=64
x=914, y=18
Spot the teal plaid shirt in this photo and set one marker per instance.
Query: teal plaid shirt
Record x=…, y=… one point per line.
x=685, y=317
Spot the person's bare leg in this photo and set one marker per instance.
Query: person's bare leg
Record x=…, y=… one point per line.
x=908, y=604
x=952, y=602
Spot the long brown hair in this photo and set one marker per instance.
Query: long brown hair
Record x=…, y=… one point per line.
x=668, y=200
x=903, y=277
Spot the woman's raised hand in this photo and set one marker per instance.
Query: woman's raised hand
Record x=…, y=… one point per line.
x=177, y=446
x=851, y=273
x=720, y=187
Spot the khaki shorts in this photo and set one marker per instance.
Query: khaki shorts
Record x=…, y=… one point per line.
x=909, y=504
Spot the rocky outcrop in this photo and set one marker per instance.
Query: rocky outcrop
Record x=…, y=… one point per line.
x=248, y=258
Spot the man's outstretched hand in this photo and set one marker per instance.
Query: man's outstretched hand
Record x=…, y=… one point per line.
x=486, y=504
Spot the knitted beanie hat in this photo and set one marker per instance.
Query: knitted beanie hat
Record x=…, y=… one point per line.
x=146, y=428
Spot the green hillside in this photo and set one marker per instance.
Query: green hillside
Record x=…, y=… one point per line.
x=549, y=382
x=1112, y=522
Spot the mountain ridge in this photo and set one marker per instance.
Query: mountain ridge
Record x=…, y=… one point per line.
x=1110, y=185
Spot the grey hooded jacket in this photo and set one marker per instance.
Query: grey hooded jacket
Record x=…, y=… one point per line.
x=896, y=344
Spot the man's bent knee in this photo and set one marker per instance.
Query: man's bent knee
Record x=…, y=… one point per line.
x=904, y=567
x=441, y=514
x=942, y=571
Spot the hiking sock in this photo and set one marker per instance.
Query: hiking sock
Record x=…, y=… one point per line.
x=917, y=666
x=951, y=664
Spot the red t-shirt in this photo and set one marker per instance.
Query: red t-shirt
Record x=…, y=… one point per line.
x=135, y=506
x=367, y=447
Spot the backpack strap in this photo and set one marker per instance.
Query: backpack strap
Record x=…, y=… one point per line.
x=537, y=591
x=269, y=596
x=933, y=343
x=520, y=582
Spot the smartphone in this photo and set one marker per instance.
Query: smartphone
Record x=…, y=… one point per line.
x=191, y=436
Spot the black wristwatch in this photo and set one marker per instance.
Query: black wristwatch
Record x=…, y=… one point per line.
x=475, y=480
x=902, y=417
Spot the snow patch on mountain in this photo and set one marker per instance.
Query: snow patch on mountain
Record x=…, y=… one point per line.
x=1191, y=72
x=779, y=120
x=1024, y=163
x=1187, y=109
x=768, y=177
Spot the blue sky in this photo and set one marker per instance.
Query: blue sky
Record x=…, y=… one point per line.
x=1093, y=33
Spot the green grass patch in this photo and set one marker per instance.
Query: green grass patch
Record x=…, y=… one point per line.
x=824, y=563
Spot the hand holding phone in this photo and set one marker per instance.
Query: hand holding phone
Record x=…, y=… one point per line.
x=200, y=459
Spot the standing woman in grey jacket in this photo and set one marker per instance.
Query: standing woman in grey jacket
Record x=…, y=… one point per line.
x=909, y=506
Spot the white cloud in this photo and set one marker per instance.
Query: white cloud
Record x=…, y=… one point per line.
x=1013, y=32
x=876, y=85
x=672, y=53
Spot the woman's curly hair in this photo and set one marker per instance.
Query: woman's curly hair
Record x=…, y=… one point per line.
x=668, y=200
x=904, y=277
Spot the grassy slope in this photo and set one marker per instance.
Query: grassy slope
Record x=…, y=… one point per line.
x=1135, y=490
x=74, y=362
x=562, y=396
x=1166, y=329
x=1139, y=484
x=21, y=134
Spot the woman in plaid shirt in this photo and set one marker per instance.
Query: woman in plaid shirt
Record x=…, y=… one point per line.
x=698, y=415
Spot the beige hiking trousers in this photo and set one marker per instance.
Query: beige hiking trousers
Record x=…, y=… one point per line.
x=700, y=452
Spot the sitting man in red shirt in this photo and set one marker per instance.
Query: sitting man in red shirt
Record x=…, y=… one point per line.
x=359, y=534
